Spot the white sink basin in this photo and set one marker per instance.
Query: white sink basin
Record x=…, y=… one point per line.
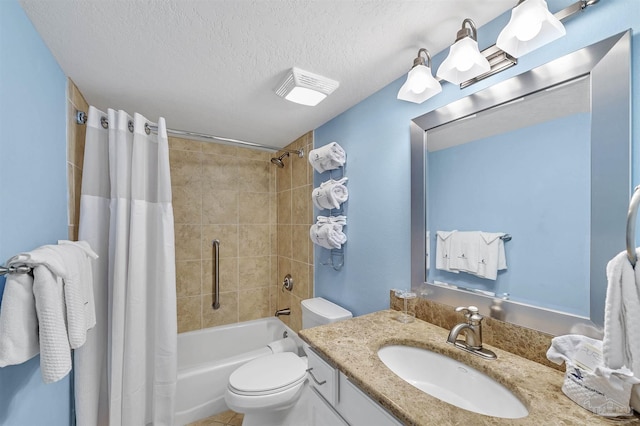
x=452, y=382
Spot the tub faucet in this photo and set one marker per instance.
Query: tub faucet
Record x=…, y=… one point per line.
x=472, y=330
x=285, y=311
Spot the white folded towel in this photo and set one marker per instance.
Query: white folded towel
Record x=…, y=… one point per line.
x=327, y=157
x=330, y=194
x=491, y=255
x=18, y=321
x=443, y=249
x=327, y=232
x=463, y=251
x=621, y=341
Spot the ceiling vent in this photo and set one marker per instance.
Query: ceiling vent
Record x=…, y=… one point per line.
x=306, y=88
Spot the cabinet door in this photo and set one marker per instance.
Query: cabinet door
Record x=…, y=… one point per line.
x=321, y=413
x=322, y=376
x=358, y=409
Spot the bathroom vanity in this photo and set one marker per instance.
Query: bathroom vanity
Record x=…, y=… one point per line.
x=363, y=391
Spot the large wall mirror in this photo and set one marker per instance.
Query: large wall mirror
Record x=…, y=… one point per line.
x=545, y=158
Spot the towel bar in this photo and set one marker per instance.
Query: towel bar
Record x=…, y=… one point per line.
x=631, y=226
x=23, y=269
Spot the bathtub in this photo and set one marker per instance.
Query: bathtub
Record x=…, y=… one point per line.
x=206, y=359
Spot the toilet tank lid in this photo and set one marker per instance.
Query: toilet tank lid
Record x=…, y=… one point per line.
x=324, y=308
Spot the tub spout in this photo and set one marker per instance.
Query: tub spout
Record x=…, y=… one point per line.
x=285, y=311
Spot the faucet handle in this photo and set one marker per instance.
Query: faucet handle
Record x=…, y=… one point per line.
x=470, y=313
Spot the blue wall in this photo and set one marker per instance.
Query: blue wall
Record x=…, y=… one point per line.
x=33, y=191
x=471, y=177
x=375, y=134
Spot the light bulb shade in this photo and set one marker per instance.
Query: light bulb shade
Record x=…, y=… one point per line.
x=420, y=85
x=464, y=62
x=531, y=26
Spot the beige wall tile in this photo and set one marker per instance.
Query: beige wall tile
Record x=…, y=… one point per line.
x=187, y=204
x=254, y=303
x=284, y=207
x=220, y=149
x=300, y=205
x=219, y=172
x=226, y=234
x=300, y=274
x=253, y=176
x=186, y=167
x=188, y=239
x=188, y=277
x=284, y=241
x=254, y=240
x=254, y=207
x=299, y=243
x=185, y=144
x=189, y=313
x=299, y=172
x=254, y=272
x=295, y=319
x=226, y=314
x=71, y=197
x=283, y=178
x=219, y=206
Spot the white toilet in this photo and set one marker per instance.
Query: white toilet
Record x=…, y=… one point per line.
x=272, y=390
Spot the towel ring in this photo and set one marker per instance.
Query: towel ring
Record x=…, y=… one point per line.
x=631, y=226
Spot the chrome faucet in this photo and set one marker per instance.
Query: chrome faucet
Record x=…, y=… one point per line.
x=285, y=311
x=472, y=330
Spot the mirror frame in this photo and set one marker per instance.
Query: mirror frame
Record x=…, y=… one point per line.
x=608, y=63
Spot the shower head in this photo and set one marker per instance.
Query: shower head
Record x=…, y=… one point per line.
x=278, y=161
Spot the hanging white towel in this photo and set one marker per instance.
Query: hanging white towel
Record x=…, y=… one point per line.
x=18, y=321
x=463, y=251
x=330, y=194
x=443, y=248
x=491, y=255
x=328, y=157
x=621, y=341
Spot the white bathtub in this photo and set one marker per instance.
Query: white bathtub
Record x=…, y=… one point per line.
x=206, y=359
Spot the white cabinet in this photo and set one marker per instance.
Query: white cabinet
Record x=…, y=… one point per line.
x=336, y=401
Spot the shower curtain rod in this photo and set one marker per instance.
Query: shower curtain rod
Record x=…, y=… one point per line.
x=81, y=118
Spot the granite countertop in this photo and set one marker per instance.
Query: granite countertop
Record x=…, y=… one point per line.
x=352, y=347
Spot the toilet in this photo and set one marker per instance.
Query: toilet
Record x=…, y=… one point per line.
x=272, y=390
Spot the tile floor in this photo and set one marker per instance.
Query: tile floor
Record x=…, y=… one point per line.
x=228, y=418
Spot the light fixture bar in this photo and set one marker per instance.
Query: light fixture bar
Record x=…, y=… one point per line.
x=500, y=60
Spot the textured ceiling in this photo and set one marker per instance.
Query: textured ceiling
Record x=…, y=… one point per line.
x=211, y=66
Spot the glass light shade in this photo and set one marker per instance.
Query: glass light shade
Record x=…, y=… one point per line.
x=464, y=62
x=531, y=26
x=304, y=96
x=420, y=85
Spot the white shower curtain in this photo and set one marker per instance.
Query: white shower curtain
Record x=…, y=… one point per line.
x=126, y=372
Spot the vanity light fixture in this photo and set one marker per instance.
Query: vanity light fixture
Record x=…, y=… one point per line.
x=420, y=84
x=306, y=88
x=464, y=61
x=531, y=26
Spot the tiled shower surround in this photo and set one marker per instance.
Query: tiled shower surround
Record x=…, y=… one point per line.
x=261, y=214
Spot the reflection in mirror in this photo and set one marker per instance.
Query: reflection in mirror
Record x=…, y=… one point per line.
x=543, y=157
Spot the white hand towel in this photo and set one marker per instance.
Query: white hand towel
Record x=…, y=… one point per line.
x=330, y=194
x=55, y=352
x=443, y=248
x=18, y=321
x=621, y=341
x=491, y=255
x=327, y=157
x=327, y=232
x=463, y=251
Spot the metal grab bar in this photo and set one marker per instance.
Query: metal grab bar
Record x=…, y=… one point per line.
x=631, y=226
x=215, y=282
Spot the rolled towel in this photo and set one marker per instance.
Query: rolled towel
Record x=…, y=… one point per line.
x=328, y=157
x=330, y=194
x=327, y=235
x=283, y=345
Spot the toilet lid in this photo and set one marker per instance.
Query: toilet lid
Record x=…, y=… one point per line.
x=269, y=373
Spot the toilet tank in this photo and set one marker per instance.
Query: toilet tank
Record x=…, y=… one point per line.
x=319, y=311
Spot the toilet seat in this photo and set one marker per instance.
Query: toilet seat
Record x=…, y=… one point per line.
x=268, y=374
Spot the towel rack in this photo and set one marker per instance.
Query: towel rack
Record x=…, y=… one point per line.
x=22, y=269
x=631, y=226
